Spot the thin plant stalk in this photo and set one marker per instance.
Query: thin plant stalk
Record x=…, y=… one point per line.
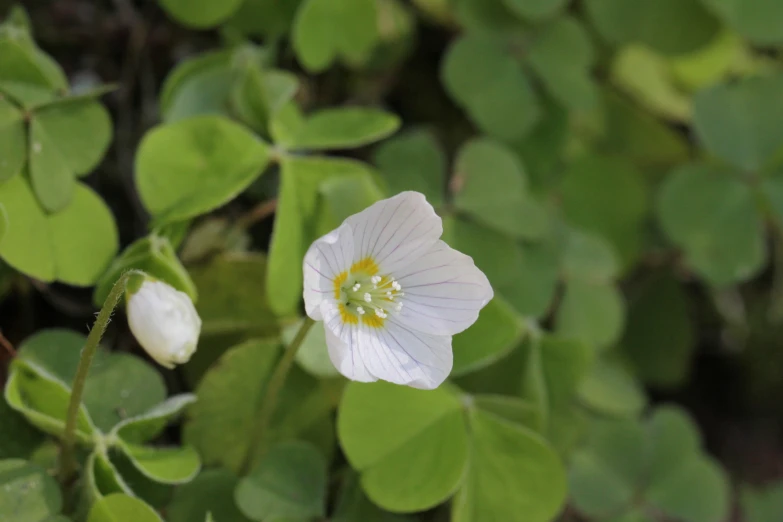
x=273, y=389
x=67, y=459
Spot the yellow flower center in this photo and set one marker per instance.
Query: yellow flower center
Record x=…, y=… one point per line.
x=366, y=296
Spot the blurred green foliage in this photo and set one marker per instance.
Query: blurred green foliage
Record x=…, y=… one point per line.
x=613, y=166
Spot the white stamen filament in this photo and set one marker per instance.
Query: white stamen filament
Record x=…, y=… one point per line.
x=380, y=299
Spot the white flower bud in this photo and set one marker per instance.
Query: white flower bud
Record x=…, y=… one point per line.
x=164, y=322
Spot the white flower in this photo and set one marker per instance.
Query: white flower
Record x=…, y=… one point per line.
x=391, y=293
x=164, y=321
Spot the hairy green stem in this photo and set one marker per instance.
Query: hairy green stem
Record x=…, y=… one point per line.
x=273, y=388
x=67, y=459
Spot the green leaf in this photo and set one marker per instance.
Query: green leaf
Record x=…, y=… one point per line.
x=531, y=287
x=25, y=68
x=742, y=122
x=413, y=160
x=489, y=85
x=201, y=13
x=610, y=389
x=221, y=424
x=342, y=197
x=190, y=167
x=668, y=26
x=639, y=136
x=312, y=356
x=535, y=9
x=556, y=367
x=588, y=257
x=409, y=445
x=13, y=140
x=562, y=55
x=647, y=77
x=18, y=439
x=118, y=385
x=288, y=483
x=757, y=20
x=496, y=332
x=526, y=275
x=606, y=196
x=659, y=336
x=81, y=130
x=148, y=425
x=713, y=217
x=698, y=491
x=212, y=491
x=604, y=475
x=101, y=478
x=494, y=488
x=122, y=508
x=674, y=437
x=490, y=184
x=67, y=140
x=164, y=465
x=259, y=94
x=518, y=411
x=27, y=492
x=43, y=400
x=50, y=178
x=264, y=18
x=318, y=45
x=295, y=222
x=198, y=85
x=343, y=128
x=591, y=312
x=658, y=467
x=3, y=226
x=764, y=504
x=51, y=247
x=153, y=255
x=233, y=300
x=354, y=506
x=483, y=16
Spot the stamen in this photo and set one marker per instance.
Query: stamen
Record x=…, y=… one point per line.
x=380, y=313
x=356, y=287
x=396, y=286
x=399, y=306
x=375, y=279
x=367, y=297
x=389, y=295
x=360, y=310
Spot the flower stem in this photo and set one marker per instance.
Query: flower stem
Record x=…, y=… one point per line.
x=273, y=388
x=67, y=460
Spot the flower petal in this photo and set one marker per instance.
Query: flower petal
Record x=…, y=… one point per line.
x=327, y=258
x=344, y=349
x=395, y=231
x=413, y=358
x=392, y=352
x=444, y=292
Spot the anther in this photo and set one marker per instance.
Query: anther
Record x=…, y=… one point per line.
x=356, y=287
x=367, y=298
x=380, y=313
x=360, y=310
x=396, y=286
